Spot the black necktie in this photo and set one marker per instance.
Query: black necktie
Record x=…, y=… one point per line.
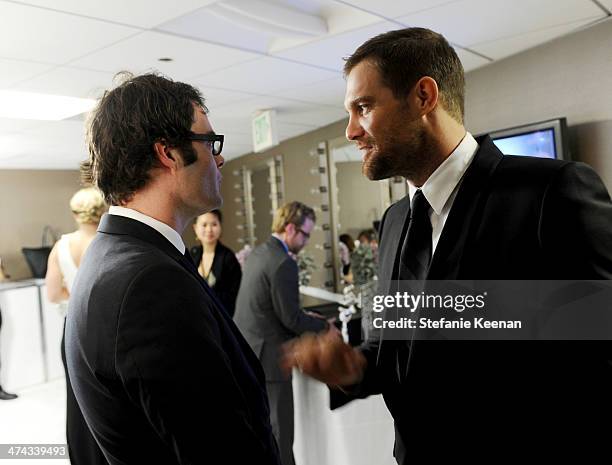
x=417, y=248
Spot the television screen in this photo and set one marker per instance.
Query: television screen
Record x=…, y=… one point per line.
x=545, y=139
x=532, y=144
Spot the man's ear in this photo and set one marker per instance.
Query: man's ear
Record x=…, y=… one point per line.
x=426, y=94
x=290, y=229
x=164, y=154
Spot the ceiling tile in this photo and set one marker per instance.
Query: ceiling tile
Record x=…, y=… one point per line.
x=502, y=48
x=69, y=81
x=330, y=51
x=470, y=22
x=204, y=25
x=264, y=76
x=253, y=105
x=216, y=98
x=607, y=4
x=288, y=130
x=141, y=13
x=469, y=60
x=330, y=92
x=393, y=8
x=231, y=124
x=316, y=116
x=141, y=53
x=9, y=126
x=34, y=34
x=14, y=71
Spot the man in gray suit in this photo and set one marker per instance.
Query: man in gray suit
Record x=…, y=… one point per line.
x=268, y=311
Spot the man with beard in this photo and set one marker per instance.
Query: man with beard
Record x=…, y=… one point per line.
x=471, y=213
x=268, y=311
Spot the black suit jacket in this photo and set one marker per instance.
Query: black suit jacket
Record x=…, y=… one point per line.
x=513, y=218
x=160, y=371
x=268, y=308
x=226, y=268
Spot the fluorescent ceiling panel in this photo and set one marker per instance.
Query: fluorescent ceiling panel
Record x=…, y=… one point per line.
x=28, y=105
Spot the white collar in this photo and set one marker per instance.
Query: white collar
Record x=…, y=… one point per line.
x=443, y=181
x=173, y=237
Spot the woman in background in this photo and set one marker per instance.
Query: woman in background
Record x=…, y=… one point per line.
x=87, y=207
x=346, y=246
x=216, y=263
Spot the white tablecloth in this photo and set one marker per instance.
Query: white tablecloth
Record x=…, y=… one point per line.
x=360, y=433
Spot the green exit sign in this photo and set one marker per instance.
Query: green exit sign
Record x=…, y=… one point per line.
x=264, y=130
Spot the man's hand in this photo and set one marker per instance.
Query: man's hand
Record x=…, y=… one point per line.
x=325, y=357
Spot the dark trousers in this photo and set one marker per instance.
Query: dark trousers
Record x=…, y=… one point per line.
x=281, y=418
x=82, y=447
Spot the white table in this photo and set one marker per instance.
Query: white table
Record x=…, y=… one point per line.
x=359, y=433
x=30, y=336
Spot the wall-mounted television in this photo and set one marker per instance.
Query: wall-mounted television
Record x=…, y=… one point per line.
x=545, y=139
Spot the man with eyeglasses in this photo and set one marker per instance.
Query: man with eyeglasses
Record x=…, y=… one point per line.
x=268, y=311
x=160, y=371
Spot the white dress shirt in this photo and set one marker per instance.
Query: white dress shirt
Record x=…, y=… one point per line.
x=441, y=188
x=173, y=237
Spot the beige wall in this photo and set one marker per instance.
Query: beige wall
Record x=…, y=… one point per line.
x=29, y=200
x=570, y=77
x=358, y=199
x=299, y=183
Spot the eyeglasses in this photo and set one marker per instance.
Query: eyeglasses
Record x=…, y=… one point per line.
x=306, y=235
x=215, y=141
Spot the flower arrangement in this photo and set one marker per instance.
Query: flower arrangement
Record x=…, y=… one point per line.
x=306, y=265
x=363, y=264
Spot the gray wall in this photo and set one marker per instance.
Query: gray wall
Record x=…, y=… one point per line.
x=571, y=77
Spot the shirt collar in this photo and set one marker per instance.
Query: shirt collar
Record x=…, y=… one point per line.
x=443, y=181
x=173, y=237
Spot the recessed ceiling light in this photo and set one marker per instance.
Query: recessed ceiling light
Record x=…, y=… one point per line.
x=29, y=105
x=165, y=59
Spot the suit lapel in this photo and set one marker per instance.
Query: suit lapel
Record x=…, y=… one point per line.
x=465, y=213
x=114, y=224
x=395, y=221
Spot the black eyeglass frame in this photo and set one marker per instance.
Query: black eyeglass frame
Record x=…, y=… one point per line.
x=304, y=233
x=209, y=138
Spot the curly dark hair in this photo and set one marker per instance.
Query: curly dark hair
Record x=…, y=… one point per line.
x=126, y=123
x=404, y=56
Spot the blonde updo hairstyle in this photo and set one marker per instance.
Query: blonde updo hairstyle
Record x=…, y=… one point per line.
x=88, y=206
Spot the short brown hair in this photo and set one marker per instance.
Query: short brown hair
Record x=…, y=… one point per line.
x=404, y=56
x=125, y=125
x=291, y=213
